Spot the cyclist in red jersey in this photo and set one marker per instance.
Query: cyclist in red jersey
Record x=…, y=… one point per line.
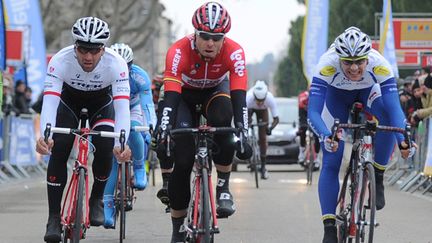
x=303, y=100
x=208, y=69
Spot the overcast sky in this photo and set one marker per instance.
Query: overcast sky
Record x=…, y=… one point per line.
x=259, y=26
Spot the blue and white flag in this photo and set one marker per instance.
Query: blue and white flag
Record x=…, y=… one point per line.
x=387, y=45
x=25, y=14
x=2, y=38
x=315, y=31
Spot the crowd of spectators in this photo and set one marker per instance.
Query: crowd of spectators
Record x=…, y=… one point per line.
x=416, y=95
x=16, y=97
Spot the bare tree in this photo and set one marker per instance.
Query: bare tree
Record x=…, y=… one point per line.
x=131, y=21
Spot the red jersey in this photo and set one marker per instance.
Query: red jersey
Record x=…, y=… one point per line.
x=185, y=67
x=303, y=99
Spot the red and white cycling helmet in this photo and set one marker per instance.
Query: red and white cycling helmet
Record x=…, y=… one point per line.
x=212, y=17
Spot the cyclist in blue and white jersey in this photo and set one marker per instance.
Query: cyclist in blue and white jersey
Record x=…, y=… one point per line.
x=141, y=101
x=352, y=71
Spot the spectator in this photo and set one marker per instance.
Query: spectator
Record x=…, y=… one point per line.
x=406, y=97
x=424, y=92
x=28, y=95
x=7, y=106
x=20, y=100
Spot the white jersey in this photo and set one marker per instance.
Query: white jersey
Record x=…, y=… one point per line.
x=329, y=69
x=269, y=103
x=111, y=71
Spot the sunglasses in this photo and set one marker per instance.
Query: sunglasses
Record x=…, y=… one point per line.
x=358, y=62
x=85, y=50
x=210, y=36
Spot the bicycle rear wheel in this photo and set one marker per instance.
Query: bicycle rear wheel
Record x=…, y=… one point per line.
x=122, y=201
x=205, y=206
x=366, y=206
x=76, y=229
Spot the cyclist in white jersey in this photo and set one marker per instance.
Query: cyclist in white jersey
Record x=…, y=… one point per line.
x=258, y=101
x=84, y=75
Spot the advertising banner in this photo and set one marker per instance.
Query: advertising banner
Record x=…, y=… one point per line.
x=411, y=33
x=387, y=43
x=315, y=31
x=22, y=142
x=2, y=38
x=26, y=14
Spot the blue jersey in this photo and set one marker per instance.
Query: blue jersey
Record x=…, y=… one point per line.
x=377, y=81
x=140, y=92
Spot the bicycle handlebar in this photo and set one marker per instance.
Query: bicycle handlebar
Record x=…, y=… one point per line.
x=371, y=126
x=84, y=131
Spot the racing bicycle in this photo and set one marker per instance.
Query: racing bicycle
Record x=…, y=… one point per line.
x=75, y=210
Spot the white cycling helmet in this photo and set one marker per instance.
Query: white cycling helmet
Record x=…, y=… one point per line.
x=260, y=90
x=352, y=43
x=91, y=30
x=124, y=50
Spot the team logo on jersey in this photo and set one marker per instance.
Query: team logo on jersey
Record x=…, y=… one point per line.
x=381, y=71
x=77, y=75
x=239, y=65
x=328, y=71
x=175, y=62
x=51, y=69
x=97, y=76
x=122, y=74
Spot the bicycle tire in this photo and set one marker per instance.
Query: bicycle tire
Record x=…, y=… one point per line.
x=77, y=227
x=367, y=206
x=205, y=213
x=129, y=188
x=122, y=202
x=343, y=205
x=256, y=161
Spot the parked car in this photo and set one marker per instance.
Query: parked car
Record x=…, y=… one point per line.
x=283, y=145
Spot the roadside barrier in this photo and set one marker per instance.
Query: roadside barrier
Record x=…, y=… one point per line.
x=19, y=159
x=414, y=175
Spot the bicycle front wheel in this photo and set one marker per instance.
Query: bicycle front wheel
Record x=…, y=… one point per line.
x=366, y=206
x=205, y=213
x=256, y=161
x=344, y=208
x=122, y=202
x=77, y=227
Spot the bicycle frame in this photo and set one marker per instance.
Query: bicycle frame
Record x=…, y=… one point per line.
x=73, y=200
x=255, y=160
x=202, y=219
x=353, y=219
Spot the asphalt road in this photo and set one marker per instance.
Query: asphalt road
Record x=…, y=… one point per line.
x=283, y=209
